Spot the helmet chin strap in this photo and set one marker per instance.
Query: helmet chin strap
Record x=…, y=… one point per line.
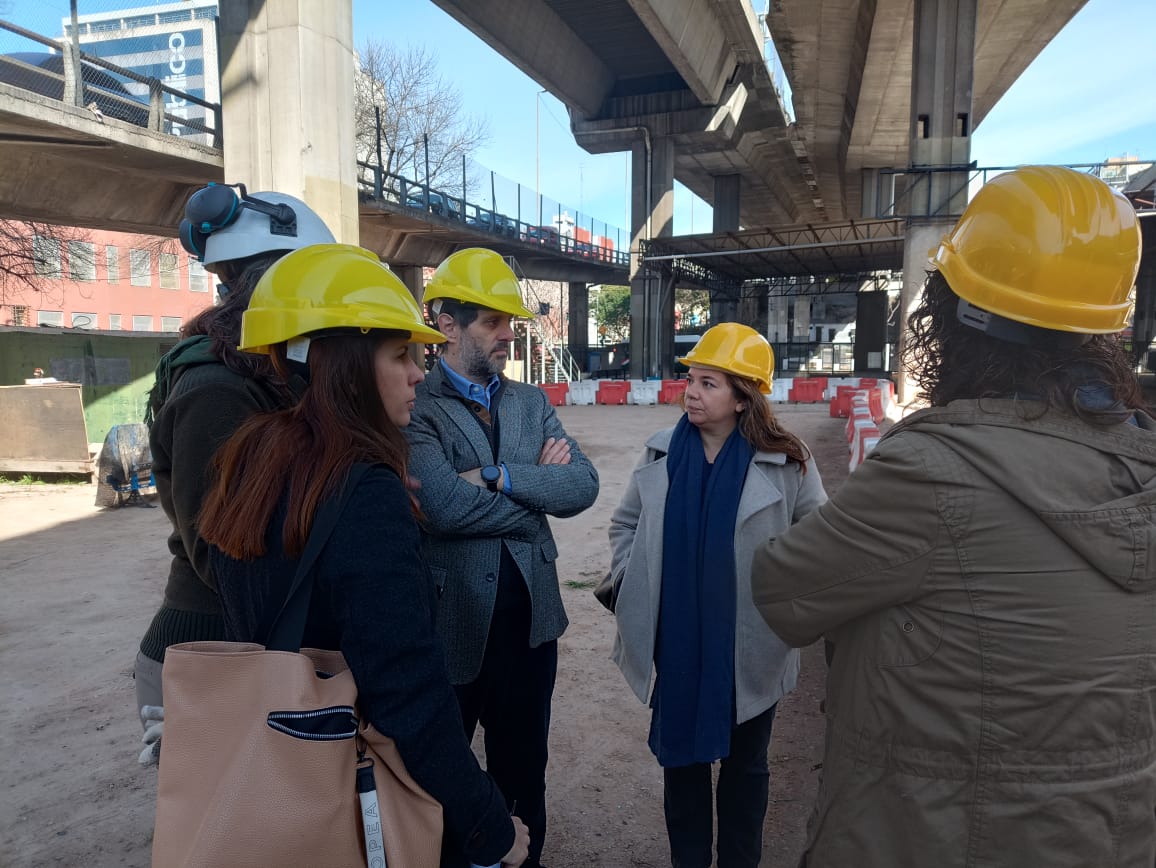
x=1004, y=329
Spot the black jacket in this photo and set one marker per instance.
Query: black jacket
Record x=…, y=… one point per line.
x=373, y=600
x=206, y=405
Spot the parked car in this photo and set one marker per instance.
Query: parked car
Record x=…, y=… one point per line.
x=443, y=206
x=492, y=221
x=546, y=235
x=43, y=73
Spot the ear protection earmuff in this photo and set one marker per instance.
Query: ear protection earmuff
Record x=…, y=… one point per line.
x=216, y=206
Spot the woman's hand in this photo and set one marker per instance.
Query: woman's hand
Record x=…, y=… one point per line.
x=521, y=848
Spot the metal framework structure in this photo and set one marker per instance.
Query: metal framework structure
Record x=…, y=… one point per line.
x=739, y=263
x=791, y=287
x=912, y=194
x=804, y=260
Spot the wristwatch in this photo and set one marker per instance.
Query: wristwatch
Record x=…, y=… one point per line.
x=491, y=475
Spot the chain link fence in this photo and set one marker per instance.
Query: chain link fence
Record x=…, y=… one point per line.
x=486, y=200
x=150, y=65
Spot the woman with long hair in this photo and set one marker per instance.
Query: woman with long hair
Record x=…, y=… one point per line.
x=988, y=574
x=703, y=496
x=335, y=313
x=204, y=389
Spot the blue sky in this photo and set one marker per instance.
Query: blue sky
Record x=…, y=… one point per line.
x=1090, y=95
x=597, y=185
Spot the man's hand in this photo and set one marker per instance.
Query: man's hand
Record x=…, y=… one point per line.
x=555, y=452
x=521, y=848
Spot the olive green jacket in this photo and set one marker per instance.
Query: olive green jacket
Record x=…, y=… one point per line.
x=989, y=582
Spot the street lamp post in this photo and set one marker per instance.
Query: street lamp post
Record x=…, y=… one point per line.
x=538, y=151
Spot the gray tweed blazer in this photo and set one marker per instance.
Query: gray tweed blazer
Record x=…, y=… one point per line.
x=466, y=526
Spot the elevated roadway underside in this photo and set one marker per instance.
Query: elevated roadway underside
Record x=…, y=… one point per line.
x=726, y=261
x=850, y=64
x=695, y=71
x=63, y=164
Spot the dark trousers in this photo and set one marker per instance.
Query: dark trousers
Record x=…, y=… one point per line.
x=743, y=785
x=511, y=699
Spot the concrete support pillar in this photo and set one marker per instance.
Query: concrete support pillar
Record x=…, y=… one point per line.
x=1144, y=319
x=754, y=310
x=941, y=83
x=411, y=276
x=726, y=203
x=651, y=295
x=725, y=308
x=869, y=193
x=578, y=335
x=287, y=103
x=870, y=332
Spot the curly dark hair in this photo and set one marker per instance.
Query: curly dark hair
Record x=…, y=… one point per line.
x=949, y=361
x=222, y=322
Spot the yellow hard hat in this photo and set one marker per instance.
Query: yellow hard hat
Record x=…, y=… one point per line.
x=479, y=277
x=329, y=286
x=1047, y=246
x=736, y=349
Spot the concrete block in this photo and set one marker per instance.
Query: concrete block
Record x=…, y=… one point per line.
x=644, y=393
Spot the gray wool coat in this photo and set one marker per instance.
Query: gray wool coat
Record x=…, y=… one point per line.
x=775, y=495
x=466, y=526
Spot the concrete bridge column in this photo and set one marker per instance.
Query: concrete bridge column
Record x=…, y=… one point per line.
x=411, y=276
x=1144, y=319
x=725, y=308
x=869, y=194
x=651, y=295
x=578, y=334
x=754, y=310
x=943, y=61
x=287, y=103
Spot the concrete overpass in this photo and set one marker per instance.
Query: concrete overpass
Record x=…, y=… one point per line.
x=63, y=164
x=683, y=84
x=693, y=72
x=686, y=86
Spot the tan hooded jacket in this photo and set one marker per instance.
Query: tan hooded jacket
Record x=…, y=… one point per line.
x=989, y=582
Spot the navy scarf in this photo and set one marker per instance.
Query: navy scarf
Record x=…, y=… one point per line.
x=693, y=701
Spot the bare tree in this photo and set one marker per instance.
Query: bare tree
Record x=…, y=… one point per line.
x=37, y=260
x=32, y=262
x=692, y=309
x=416, y=105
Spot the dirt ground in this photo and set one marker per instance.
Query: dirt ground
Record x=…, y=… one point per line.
x=78, y=586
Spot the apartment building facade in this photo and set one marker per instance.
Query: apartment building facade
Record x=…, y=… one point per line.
x=111, y=281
